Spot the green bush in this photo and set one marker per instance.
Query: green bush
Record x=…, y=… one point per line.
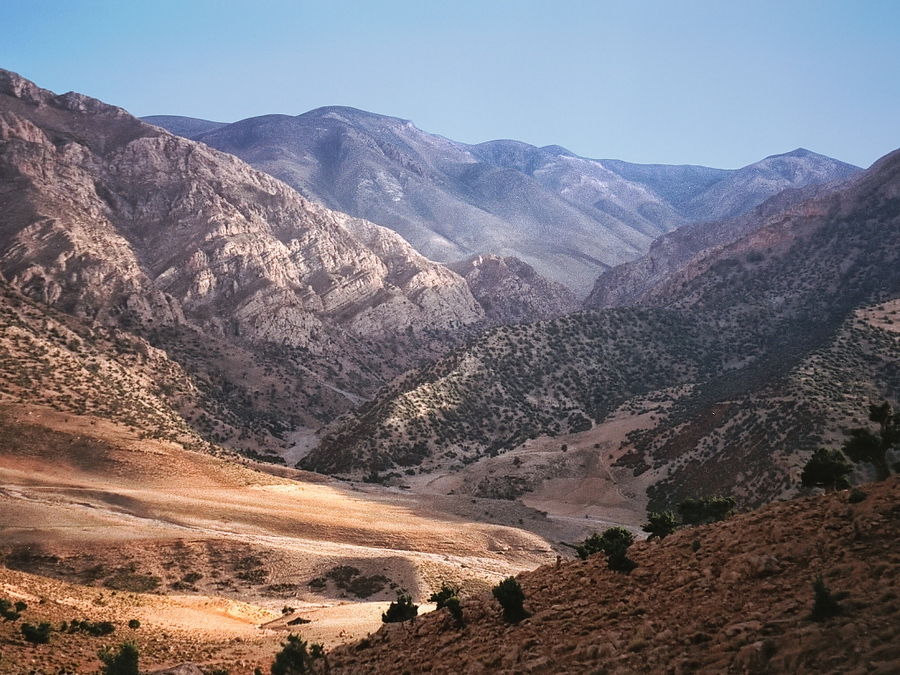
x=39, y=635
x=857, y=496
x=123, y=662
x=447, y=591
x=448, y=597
x=512, y=599
x=294, y=658
x=614, y=542
x=706, y=509
x=455, y=609
x=402, y=609
x=660, y=524
x=827, y=469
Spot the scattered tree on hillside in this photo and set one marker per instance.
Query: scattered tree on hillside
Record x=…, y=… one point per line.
x=706, y=509
x=825, y=605
x=39, y=635
x=122, y=662
x=440, y=597
x=402, y=609
x=660, y=524
x=614, y=542
x=827, y=469
x=511, y=597
x=866, y=446
x=295, y=659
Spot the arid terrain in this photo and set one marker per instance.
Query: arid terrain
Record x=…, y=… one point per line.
x=730, y=597
x=101, y=525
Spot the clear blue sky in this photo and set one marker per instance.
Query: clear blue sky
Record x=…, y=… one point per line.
x=716, y=82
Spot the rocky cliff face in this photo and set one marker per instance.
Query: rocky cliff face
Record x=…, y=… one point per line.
x=134, y=219
x=117, y=221
x=511, y=291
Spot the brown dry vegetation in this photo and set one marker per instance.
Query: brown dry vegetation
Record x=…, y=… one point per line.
x=733, y=597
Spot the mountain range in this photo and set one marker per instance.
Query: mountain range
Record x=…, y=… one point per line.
x=724, y=374
x=569, y=217
x=179, y=330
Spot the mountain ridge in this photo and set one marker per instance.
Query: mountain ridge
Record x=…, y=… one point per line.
x=761, y=332
x=569, y=217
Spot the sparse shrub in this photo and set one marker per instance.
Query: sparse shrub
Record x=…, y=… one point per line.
x=294, y=658
x=695, y=545
x=660, y=524
x=134, y=624
x=123, y=662
x=857, y=496
x=39, y=635
x=402, y=609
x=447, y=591
x=448, y=597
x=455, y=608
x=614, y=542
x=866, y=446
x=825, y=605
x=11, y=612
x=511, y=597
x=95, y=629
x=706, y=509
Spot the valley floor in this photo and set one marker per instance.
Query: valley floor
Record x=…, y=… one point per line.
x=99, y=524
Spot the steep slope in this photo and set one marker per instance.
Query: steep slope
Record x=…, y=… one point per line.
x=511, y=291
x=749, y=359
x=567, y=216
x=625, y=284
x=734, y=597
x=111, y=219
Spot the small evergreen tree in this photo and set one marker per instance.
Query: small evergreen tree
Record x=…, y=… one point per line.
x=660, y=524
x=294, y=658
x=447, y=591
x=827, y=469
x=39, y=635
x=455, y=608
x=866, y=446
x=614, y=542
x=511, y=597
x=705, y=510
x=122, y=662
x=825, y=605
x=401, y=610
x=448, y=597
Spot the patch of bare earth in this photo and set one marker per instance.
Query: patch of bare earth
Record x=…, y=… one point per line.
x=215, y=559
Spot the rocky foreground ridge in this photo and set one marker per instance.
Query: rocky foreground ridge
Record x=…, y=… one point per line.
x=731, y=597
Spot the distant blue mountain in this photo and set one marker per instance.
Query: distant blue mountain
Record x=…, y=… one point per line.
x=569, y=217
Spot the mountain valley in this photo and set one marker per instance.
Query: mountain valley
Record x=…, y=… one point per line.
x=236, y=404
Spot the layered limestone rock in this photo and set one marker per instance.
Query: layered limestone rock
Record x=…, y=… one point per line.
x=113, y=219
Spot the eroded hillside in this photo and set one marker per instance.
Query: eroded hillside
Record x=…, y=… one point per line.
x=733, y=597
x=755, y=349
